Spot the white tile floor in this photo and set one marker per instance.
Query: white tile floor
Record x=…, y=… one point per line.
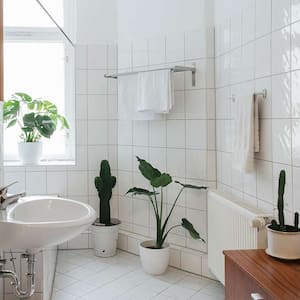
x=81, y=275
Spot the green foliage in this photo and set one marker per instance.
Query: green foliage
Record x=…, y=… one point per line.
x=36, y=118
x=281, y=226
x=104, y=184
x=159, y=181
x=280, y=202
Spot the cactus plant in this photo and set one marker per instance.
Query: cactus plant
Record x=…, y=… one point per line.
x=280, y=206
x=104, y=184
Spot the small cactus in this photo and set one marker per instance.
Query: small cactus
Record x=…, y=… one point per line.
x=280, y=203
x=296, y=221
x=104, y=184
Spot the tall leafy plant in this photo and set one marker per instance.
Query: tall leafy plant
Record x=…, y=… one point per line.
x=36, y=118
x=158, y=182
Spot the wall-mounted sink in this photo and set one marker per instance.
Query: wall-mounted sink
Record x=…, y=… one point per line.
x=38, y=222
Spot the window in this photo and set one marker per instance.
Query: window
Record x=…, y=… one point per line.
x=38, y=61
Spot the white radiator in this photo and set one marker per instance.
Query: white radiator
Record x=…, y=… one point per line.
x=232, y=225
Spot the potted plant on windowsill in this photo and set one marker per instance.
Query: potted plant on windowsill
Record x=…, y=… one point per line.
x=283, y=240
x=155, y=254
x=36, y=118
x=105, y=229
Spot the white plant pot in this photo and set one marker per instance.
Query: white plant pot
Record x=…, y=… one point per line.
x=30, y=153
x=105, y=238
x=284, y=245
x=154, y=261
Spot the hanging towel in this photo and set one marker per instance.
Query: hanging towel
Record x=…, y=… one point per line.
x=127, y=100
x=246, y=133
x=155, y=91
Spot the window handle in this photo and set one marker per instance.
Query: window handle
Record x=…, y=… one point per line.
x=256, y=296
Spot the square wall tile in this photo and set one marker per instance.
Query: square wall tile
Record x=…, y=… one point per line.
x=157, y=134
x=36, y=183
x=157, y=50
x=140, y=53
x=262, y=57
x=77, y=183
x=281, y=13
x=176, y=162
x=195, y=44
x=140, y=133
x=175, y=134
x=97, y=107
x=196, y=164
x=281, y=50
x=97, y=83
x=196, y=134
x=97, y=132
x=175, y=47
x=57, y=183
x=263, y=12
x=97, y=57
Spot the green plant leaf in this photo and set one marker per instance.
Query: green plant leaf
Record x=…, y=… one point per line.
x=147, y=170
x=161, y=181
x=139, y=191
x=27, y=129
x=10, y=109
x=50, y=107
x=25, y=97
x=63, y=121
x=191, y=186
x=12, y=123
x=190, y=228
x=29, y=120
x=45, y=125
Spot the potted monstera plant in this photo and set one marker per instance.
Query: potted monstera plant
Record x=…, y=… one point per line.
x=36, y=119
x=283, y=239
x=105, y=229
x=155, y=254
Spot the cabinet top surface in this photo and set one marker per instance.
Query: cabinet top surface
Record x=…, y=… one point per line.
x=280, y=278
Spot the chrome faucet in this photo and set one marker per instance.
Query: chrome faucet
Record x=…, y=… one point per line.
x=6, y=199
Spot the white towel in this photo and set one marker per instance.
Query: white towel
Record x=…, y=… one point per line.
x=127, y=100
x=155, y=91
x=246, y=133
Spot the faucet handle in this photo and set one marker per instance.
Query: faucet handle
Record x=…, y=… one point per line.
x=5, y=188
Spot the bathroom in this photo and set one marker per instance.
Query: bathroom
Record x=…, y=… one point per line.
x=222, y=77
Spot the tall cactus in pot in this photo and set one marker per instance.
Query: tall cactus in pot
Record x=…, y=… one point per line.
x=104, y=184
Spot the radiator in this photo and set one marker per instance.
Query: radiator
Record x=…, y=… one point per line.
x=232, y=225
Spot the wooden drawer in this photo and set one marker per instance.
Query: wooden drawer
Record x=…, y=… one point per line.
x=239, y=286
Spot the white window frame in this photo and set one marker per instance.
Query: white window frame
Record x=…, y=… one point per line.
x=48, y=34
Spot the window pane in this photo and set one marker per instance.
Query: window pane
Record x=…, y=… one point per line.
x=27, y=13
x=37, y=69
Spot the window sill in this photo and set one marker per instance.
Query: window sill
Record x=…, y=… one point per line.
x=17, y=163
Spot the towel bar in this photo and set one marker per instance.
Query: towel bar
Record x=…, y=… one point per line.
x=263, y=94
x=174, y=69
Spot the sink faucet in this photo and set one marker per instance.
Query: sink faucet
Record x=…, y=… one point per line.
x=6, y=199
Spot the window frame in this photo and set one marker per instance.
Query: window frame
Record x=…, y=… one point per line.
x=51, y=34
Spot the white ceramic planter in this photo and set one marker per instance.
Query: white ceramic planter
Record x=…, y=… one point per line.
x=154, y=261
x=30, y=153
x=105, y=238
x=284, y=245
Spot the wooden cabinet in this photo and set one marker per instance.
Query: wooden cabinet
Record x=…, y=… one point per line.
x=253, y=275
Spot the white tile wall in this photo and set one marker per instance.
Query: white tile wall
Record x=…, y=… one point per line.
x=273, y=46
x=183, y=145
x=96, y=130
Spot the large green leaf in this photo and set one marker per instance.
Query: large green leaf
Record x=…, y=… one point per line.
x=190, y=228
x=25, y=97
x=147, y=170
x=139, y=191
x=50, y=107
x=191, y=186
x=10, y=109
x=161, y=181
x=29, y=120
x=27, y=129
x=12, y=123
x=45, y=125
x=63, y=121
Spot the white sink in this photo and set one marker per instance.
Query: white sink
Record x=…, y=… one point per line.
x=39, y=222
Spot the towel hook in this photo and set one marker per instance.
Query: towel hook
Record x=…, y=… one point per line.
x=263, y=94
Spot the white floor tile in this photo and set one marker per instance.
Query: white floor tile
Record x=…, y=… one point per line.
x=83, y=276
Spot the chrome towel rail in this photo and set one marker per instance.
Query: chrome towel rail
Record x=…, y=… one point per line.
x=174, y=69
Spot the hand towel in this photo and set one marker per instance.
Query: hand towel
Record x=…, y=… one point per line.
x=127, y=100
x=246, y=133
x=155, y=91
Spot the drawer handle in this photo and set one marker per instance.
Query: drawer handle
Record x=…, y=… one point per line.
x=256, y=296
